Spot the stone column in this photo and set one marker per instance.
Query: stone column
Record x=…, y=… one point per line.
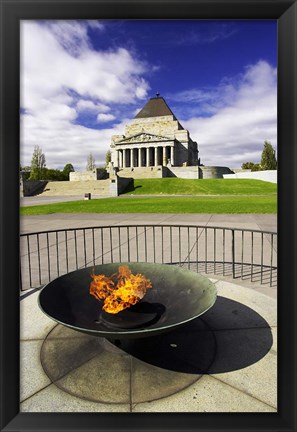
x=139, y=157
x=121, y=158
x=118, y=158
x=164, y=156
x=172, y=156
x=132, y=158
x=148, y=157
x=124, y=158
x=156, y=156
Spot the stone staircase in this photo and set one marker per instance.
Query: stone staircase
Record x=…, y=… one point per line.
x=68, y=188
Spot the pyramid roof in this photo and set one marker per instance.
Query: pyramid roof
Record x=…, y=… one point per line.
x=155, y=107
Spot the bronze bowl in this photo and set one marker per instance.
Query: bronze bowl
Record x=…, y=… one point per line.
x=176, y=297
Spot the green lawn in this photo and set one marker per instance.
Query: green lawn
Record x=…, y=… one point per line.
x=226, y=204
x=180, y=186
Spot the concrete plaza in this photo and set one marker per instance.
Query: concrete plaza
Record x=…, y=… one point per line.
x=225, y=361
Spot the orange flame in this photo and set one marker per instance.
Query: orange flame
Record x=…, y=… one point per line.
x=128, y=290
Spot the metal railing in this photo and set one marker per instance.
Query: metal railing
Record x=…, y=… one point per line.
x=237, y=253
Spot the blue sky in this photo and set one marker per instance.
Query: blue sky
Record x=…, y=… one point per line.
x=82, y=81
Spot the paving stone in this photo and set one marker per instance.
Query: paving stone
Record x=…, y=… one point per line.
x=57, y=221
x=189, y=349
x=105, y=378
x=32, y=376
x=274, y=337
x=206, y=395
x=240, y=348
x=230, y=314
x=52, y=399
x=263, y=305
x=150, y=383
x=258, y=380
x=34, y=324
x=65, y=350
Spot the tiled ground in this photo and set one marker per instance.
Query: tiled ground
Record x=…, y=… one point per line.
x=224, y=362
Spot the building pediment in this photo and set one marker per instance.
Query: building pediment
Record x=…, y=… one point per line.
x=143, y=138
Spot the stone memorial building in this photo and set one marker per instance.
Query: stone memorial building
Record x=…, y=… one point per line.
x=154, y=143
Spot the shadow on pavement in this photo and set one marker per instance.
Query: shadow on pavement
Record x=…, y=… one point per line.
x=230, y=336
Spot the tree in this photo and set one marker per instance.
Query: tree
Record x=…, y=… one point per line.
x=68, y=168
x=54, y=175
x=268, y=159
x=251, y=165
x=25, y=170
x=90, y=163
x=107, y=158
x=37, y=164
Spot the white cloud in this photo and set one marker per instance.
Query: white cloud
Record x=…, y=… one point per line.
x=95, y=24
x=62, y=77
x=71, y=35
x=66, y=143
x=236, y=132
x=105, y=117
x=89, y=105
x=205, y=100
x=215, y=31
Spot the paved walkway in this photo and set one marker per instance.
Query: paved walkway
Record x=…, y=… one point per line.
x=76, y=220
x=224, y=362
x=45, y=199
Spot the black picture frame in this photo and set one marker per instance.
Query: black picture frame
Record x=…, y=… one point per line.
x=285, y=12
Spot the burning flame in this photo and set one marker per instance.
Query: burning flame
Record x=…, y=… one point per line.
x=119, y=291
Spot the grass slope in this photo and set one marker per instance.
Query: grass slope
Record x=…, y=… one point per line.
x=180, y=186
x=231, y=204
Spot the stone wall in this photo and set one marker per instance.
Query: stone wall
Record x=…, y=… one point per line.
x=118, y=185
x=31, y=187
x=190, y=172
x=181, y=153
x=237, y=170
x=269, y=175
x=96, y=174
x=163, y=125
x=143, y=172
x=198, y=172
x=186, y=172
x=209, y=172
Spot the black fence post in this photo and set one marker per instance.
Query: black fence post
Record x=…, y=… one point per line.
x=233, y=253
